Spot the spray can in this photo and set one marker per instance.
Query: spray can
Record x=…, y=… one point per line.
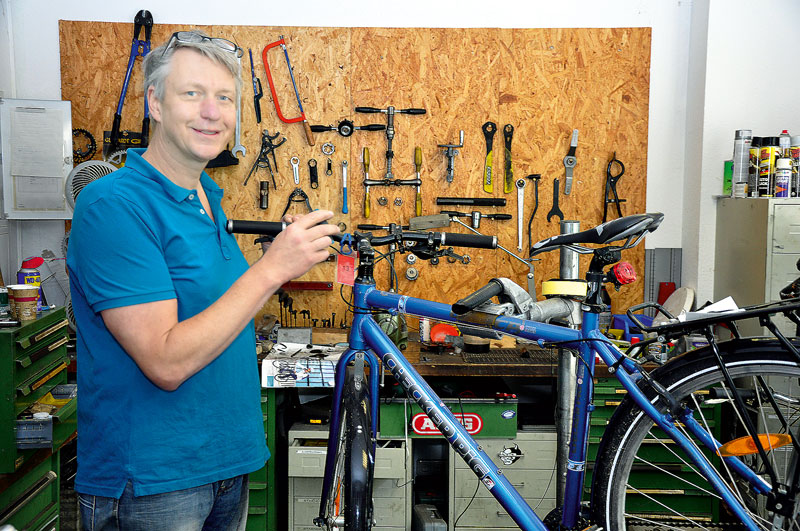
x=794, y=154
x=741, y=162
x=755, y=160
x=29, y=274
x=785, y=143
x=783, y=176
x=770, y=150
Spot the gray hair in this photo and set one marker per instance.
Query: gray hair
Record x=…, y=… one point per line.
x=157, y=63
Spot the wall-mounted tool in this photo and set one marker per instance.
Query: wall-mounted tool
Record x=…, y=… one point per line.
x=450, y=152
x=393, y=182
x=302, y=118
x=471, y=201
x=328, y=149
x=570, y=161
x=268, y=148
x=611, y=186
x=508, y=135
x=555, y=211
x=257, y=91
x=489, y=129
x=297, y=196
x=476, y=216
x=139, y=48
x=535, y=177
x=312, y=172
x=346, y=128
x=520, y=208
x=295, y=162
x=390, y=112
x=263, y=190
x=344, y=187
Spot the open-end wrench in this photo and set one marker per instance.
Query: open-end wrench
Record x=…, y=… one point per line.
x=520, y=198
x=555, y=211
x=237, y=141
x=296, y=169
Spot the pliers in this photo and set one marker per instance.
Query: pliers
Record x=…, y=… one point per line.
x=297, y=196
x=611, y=186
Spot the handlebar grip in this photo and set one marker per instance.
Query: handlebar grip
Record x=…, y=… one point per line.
x=470, y=302
x=475, y=241
x=412, y=111
x=368, y=109
x=267, y=228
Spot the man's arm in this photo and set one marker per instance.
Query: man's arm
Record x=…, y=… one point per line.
x=168, y=351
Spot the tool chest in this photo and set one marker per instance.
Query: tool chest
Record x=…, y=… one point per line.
x=675, y=491
x=33, y=372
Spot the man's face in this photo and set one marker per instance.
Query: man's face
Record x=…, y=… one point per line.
x=198, y=113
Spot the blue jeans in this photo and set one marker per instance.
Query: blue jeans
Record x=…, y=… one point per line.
x=221, y=505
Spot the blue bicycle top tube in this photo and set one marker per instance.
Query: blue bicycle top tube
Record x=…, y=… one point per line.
x=455, y=433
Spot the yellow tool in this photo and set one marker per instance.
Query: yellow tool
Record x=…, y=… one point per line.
x=418, y=166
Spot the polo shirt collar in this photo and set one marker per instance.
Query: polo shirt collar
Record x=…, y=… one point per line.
x=136, y=162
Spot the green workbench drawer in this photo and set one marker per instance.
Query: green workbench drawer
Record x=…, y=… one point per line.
x=32, y=500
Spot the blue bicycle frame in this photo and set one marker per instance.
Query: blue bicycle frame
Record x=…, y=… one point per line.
x=366, y=336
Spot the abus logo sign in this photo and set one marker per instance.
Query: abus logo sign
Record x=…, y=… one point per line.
x=422, y=425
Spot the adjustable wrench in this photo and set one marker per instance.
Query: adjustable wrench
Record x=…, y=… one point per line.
x=296, y=169
x=237, y=141
x=520, y=198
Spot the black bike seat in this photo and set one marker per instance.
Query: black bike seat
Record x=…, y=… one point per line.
x=610, y=231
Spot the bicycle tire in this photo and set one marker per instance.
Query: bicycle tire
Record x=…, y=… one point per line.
x=656, y=496
x=359, y=459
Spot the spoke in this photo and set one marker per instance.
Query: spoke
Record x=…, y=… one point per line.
x=670, y=509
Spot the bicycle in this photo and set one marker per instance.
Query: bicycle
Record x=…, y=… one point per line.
x=746, y=457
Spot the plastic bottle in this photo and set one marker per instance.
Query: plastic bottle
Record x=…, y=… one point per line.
x=755, y=160
x=794, y=154
x=741, y=162
x=785, y=143
x=766, y=171
x=783, y=176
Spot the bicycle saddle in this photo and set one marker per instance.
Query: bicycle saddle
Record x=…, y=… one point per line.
x=610, y=231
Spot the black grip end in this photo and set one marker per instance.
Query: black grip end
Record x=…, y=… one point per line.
x=413, y=111
x=267, y=228
x=475, y=241
x=367, y=109
x=473, y=300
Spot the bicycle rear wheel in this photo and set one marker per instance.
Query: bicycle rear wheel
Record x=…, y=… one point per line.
x=642, y=480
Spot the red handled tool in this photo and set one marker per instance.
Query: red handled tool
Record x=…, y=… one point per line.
x=302, y=118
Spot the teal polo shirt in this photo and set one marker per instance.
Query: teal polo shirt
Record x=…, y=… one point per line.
x=137, y=237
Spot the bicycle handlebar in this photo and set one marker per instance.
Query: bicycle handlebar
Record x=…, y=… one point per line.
x=272, y=228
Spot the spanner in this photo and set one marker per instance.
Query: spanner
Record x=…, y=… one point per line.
x=555, y=211
x=237, y=141
x=296, y=169
x=520, y=198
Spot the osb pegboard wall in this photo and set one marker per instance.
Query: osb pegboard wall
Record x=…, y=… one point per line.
x=545, y=82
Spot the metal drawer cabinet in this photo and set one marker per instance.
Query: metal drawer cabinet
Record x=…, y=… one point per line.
x=29, y=499
x=391, y=488
x=527, y=461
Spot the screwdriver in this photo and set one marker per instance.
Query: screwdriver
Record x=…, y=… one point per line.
x=418, y=166
x=366, y=179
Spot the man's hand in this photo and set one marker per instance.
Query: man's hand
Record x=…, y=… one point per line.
x=301, y=246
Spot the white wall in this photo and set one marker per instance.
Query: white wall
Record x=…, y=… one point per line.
x=684, y=157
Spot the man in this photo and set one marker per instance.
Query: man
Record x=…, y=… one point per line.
x=169, y=416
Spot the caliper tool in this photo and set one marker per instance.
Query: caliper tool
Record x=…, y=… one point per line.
x=262, y=161
x=489, y=129
x=476, y=216
x=611, y=186
x=450, y=152
x=570, y=161
x=302, y=118
x=346, y=128
x=257, y=91
x=139, y=48
x=389, y=112
x=393, y=182
x=508, y=135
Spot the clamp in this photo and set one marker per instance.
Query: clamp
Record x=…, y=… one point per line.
x=570, y=161
x=297, y=196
